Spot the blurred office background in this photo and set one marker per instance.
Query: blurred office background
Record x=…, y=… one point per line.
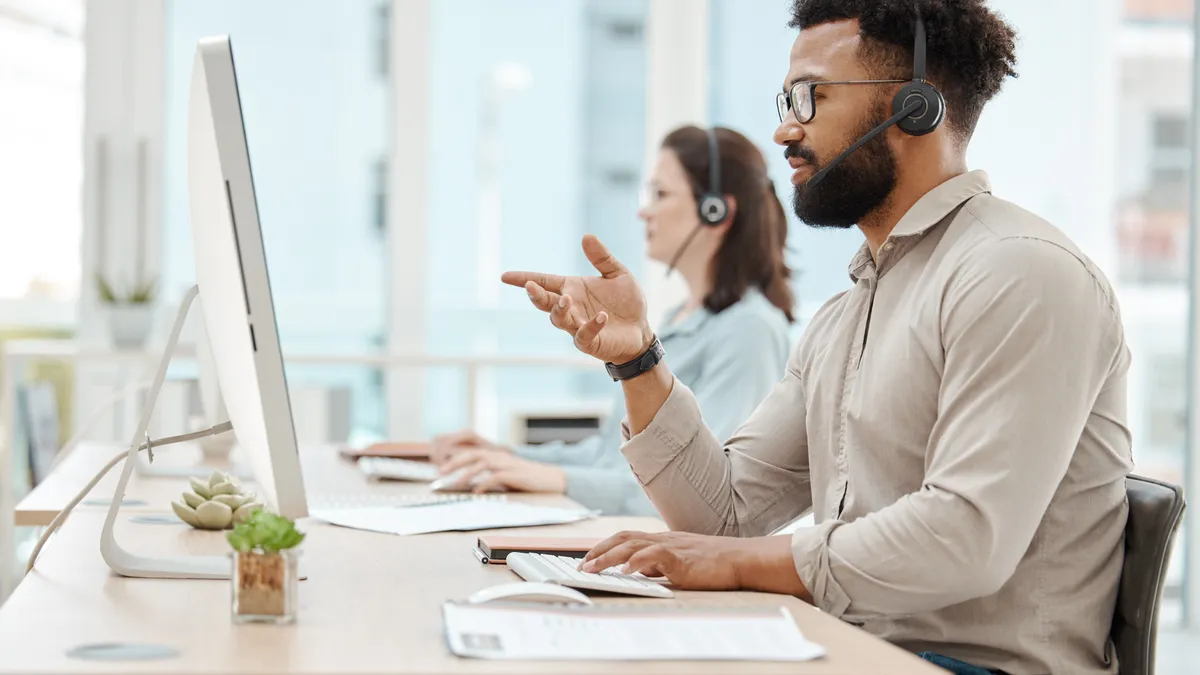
x=405, y=152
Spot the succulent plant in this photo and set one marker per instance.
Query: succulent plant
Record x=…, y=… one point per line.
x=215, y=504
x=264, y=532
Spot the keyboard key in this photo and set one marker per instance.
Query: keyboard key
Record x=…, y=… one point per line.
x=565, y=570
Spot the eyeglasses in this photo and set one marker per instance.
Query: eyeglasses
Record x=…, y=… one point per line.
x=802, y=98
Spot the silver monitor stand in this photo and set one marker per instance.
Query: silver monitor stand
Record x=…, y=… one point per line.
x=122, y=561
x=129, y=564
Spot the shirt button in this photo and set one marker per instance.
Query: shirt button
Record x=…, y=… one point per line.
x=889, y=246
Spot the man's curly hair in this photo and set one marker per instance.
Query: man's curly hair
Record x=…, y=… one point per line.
x=970, y=48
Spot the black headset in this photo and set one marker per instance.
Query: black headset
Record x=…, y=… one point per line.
x=917, y=109
x=932, y=108
x=712, y=204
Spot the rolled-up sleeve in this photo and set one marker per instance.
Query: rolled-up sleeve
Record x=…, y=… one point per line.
x=1029, y=337
x=754, y=483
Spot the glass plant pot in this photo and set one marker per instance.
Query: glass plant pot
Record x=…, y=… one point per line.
x=265, y=586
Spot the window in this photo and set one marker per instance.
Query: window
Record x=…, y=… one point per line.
x=41, y=166
x=1169, y=163
x=749, y=44
x=537, y=113
x=315, y=105
x=535, y=136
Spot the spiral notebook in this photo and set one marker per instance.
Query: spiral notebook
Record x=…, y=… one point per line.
x=494, y=548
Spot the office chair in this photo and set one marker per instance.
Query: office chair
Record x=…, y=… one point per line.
x=1155, y=509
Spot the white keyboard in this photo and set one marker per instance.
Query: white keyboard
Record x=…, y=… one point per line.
x=391, y=468
x=554, y=569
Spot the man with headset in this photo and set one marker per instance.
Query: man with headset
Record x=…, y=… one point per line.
x=956, y=420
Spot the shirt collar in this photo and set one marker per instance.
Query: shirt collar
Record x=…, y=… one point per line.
x=939, y=202
x=690, y=324
x=929, y=210
x=696, y=320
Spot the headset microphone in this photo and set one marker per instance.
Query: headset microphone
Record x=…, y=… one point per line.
x=894, y=119
x=918, y=108
x=682, y=248
x=712, y=205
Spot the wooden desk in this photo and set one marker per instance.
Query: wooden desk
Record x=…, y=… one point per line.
x=372, y=603
x=326, y=476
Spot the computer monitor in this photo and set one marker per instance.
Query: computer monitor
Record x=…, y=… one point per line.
x=215, y=451
x=212, y=404
x=235, y=291
x=239, y=317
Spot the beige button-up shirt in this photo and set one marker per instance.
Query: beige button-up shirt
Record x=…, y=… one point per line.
x=957, y=422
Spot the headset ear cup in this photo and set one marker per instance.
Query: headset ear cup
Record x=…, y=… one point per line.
x=713, y=208
x=927, y=117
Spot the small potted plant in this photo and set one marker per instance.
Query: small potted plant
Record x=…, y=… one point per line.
x=265, y=574
x=130, y=313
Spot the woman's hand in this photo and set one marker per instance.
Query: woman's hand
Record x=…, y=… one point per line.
x=445, y=446
x=505, y=471
x=606, y=315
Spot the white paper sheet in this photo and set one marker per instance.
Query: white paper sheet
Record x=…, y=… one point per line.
x=621, y=634
x=461, y=516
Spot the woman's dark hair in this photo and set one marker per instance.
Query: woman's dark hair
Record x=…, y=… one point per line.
x=751, y=255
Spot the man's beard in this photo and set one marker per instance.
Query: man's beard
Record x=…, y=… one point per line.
x=857, y=186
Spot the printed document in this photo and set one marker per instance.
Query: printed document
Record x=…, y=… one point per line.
x=459, y=516
x=599, y=633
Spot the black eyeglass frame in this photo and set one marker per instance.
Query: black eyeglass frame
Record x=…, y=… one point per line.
x=789, y=101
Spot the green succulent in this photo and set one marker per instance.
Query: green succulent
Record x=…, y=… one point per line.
x=107, y=293
x=264, y=532
x=216, y=504
x=141, y=292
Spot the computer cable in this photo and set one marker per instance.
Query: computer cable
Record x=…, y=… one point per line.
x=148, y=446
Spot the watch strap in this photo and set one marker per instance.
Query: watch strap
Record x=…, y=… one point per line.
x=631, y=369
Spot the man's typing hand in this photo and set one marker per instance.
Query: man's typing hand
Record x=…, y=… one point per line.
x=702, y=563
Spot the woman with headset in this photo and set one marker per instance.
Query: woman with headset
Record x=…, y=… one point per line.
x=712, y=214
